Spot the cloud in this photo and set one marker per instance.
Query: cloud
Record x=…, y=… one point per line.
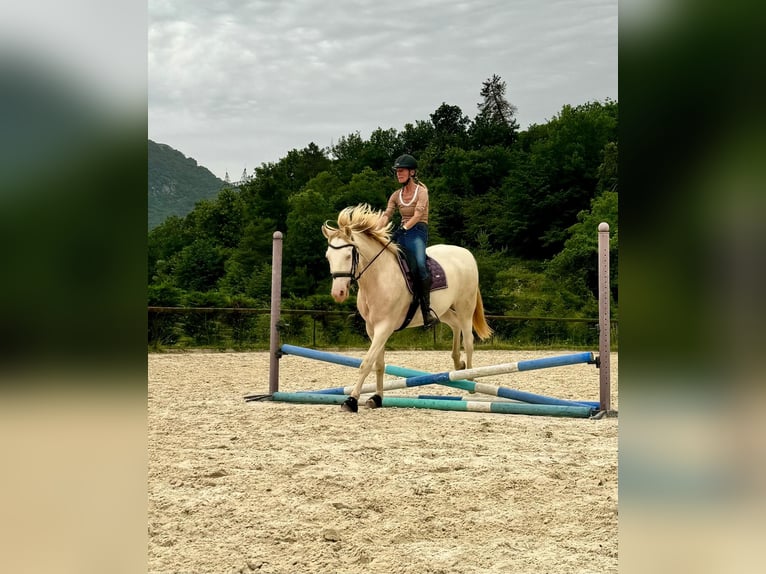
x=274, y=76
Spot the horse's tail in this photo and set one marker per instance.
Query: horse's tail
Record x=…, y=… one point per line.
x=479, y=322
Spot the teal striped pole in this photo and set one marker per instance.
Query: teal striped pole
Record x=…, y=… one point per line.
x=414, y=377
x=578, y=411
x=482, y=397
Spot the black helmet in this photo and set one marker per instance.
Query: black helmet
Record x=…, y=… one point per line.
x=406, y=161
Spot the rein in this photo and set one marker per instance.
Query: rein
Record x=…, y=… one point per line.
x=355, y=261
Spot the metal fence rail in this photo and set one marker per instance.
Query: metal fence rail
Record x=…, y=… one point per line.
x=248, y=328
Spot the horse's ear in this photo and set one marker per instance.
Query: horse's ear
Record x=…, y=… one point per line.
x=326, y=231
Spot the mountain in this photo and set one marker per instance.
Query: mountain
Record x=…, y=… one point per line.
x=176, y=183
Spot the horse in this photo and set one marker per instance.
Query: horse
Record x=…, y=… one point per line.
x=359, y=253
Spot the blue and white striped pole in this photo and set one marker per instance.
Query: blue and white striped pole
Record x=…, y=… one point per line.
x=354, y=362
x=502, y=369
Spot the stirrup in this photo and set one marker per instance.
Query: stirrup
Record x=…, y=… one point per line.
x=430, y=320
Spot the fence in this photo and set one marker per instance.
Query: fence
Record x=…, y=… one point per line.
x=248, y=329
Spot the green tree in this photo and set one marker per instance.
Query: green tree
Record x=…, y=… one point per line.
x=304, y=244
x=557, y=177
x=348, y=154
x=221, y=219
x=415, y=138
x=381, y=150
x=164, y=241
x=494, y=106
x=199, y=266
x=245, y=261
x=575, y=268
x=607, y=171
x=327, y=184
x=446, y=220
x=366, y=186
x=472, y=173
x=464, y=197
x=450, y=125
x=353, y=154
x=495, y=124
x=306, y=164
x=267, y=195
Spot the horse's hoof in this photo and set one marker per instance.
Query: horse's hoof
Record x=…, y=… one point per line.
x=350, y=405
x=374, y=402
x=462, y=366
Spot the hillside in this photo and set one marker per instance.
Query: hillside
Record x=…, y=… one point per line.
x=176, y=183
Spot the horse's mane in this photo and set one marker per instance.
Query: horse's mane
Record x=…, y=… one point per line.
x=363, y=219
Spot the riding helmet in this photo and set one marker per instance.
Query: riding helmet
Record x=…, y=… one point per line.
x=406, y=161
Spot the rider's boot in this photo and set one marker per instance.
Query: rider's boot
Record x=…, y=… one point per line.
x=429, y=316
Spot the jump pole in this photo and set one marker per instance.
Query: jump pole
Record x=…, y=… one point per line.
x=604, y=319
x=276, y=305
x=579, y=411
x=455, y=379
x=483, y=398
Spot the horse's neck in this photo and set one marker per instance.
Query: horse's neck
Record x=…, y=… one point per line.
x=379, y=268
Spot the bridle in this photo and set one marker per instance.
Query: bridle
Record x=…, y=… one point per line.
x=355, y=261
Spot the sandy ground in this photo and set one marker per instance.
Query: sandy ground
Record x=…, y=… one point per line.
x=268, y=487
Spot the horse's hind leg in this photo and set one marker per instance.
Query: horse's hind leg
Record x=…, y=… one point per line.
x=467, y=331
x=461, y=327
x=456, y=349
x=450, y=318
x=463, y=324
x=468, y=346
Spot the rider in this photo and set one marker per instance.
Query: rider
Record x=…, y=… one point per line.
x=412, y=202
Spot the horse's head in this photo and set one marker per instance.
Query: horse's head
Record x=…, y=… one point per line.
x=356, y=233
x=342, y=255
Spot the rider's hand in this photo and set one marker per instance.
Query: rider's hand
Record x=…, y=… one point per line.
x=398, y=234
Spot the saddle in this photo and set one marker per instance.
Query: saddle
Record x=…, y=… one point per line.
x=438, y=278
x=438, y=281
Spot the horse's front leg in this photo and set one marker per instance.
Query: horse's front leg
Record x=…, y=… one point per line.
x=374, y=357
x=376, y=400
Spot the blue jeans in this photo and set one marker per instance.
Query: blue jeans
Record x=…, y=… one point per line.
x=414, y=245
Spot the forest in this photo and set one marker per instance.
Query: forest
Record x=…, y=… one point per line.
x=526, y=203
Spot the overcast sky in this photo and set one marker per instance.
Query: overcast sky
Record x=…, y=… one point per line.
x=237, y=83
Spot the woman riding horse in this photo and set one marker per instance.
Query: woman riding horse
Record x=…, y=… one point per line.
x=412, y=202
x=360, y=251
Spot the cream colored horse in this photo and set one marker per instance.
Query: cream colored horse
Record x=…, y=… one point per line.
x=357, y=252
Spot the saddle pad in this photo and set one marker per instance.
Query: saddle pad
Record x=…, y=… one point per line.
x=438, y=277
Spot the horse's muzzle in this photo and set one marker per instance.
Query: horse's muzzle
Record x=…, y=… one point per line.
x=340, y=289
